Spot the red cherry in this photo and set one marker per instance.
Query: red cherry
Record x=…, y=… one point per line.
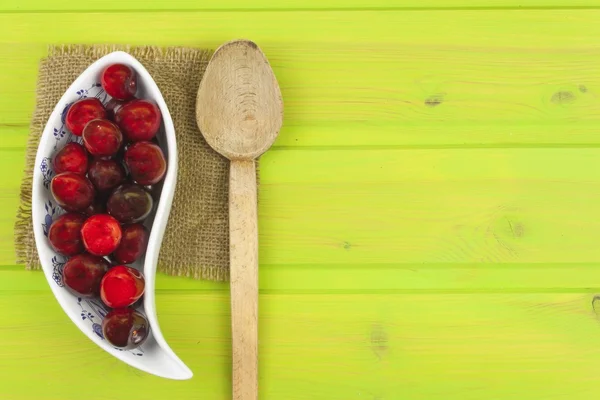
x=121, y=286
x=71, y=158
x=125, y=328
x=146, y=163
x=119, y=81
x=102, y=138
x=82, y=112
x=106, y=174
x=139, y=120
x=133, y=244
x=83, y=273
x=65, y=234
x=101, y=234
x=72, y=192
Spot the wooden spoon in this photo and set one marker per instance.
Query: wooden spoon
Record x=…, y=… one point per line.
x=239, y=111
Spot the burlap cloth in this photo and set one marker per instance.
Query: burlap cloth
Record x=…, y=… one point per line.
x=196, y=242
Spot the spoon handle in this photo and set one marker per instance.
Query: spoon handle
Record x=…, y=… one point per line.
x=243, y=248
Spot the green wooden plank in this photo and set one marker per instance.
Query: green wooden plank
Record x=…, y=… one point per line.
x=324, y=347
x=290, y=5
x=414, y=206
x=421, y=78
x=14, y=139
x=371, y=278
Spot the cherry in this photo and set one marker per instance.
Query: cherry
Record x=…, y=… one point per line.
x=119, y=81
x=112, y=107
x=129, y=203
x=83, y=273
x=101, y=234
x=125, y=328
x=133, y=244
x=102, y=138
x=71, y=158
x=83, y=111
x=121, y=286
x=65, y=234
x=146, y=163
x=98, y=206
x=139, y=120
x=72, y=192
x=106, y=174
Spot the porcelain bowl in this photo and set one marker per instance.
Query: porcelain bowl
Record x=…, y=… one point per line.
x=154, y=356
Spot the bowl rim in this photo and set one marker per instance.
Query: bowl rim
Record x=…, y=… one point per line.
x=161, y=213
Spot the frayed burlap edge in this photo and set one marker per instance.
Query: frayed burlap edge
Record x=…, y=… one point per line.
x=25, y=249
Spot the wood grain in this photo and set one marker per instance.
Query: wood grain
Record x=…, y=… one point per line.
x=291, y=5
x=375, y=279
x=438, y=346
x=414, y=206
x=239, y=111
x=239, y=108
x=428, y=216
x=243, y=248
x=422, y=78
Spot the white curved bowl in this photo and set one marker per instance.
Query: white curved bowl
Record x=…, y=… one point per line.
x=154, y=356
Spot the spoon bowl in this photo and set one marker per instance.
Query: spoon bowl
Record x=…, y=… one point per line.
x=239, y=109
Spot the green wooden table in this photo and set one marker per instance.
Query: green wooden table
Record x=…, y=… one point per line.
x=429, y=216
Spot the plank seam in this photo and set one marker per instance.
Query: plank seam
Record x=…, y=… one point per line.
x=307, y=9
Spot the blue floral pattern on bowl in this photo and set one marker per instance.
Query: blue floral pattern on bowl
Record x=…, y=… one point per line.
x=51, y=211
x=57, y=270
x=47, y=172
x=92, y=311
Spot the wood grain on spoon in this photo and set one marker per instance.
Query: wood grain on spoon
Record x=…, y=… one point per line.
x=239, y=108
x=239, y=111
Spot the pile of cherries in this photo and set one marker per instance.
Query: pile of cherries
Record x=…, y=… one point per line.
x=103, y=185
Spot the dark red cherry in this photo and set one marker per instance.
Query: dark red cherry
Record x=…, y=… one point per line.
x=125, y=328
x=83, y=273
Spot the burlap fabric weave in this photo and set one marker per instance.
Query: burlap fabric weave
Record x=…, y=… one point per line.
x=196, y=242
